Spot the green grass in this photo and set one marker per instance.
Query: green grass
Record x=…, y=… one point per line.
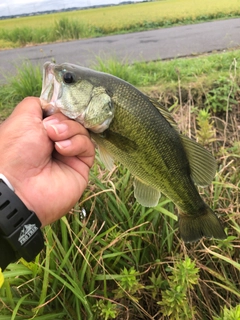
x=166, y=74
x=27, y=82
x=124, y=261
x=203, y=79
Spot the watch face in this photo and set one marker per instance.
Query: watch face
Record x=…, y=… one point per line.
x=27, y=232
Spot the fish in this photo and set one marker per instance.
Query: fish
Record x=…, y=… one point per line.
x=135, y=130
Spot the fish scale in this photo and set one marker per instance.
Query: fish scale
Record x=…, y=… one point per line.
x=135, y=130
x=155, y=170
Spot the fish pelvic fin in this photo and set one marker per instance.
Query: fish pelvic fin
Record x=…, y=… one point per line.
x=193, y=228
x=146, y=195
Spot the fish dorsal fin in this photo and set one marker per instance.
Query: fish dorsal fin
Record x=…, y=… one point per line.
x=106, y=158
x=165, y=113
x=202, y=163
x=145, y=194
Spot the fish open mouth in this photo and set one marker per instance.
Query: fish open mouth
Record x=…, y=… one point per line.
x=87, y=104
x=51, y=90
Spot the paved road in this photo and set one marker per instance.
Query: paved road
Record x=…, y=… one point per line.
x=140, y=46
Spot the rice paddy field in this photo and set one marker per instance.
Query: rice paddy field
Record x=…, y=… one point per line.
x=109, y=20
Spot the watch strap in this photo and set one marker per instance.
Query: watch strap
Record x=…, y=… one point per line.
x=19, y=226
x=7, y=254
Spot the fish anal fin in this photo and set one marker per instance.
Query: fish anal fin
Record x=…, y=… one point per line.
x=202, y=163
x=193, y=228
x=146, y=195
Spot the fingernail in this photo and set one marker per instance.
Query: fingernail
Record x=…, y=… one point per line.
x=59, y=128
x=49, y=122
x=63, y=144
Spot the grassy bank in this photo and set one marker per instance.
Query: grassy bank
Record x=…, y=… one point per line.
x=124, y=261
x=116, y=19
x=206, y=79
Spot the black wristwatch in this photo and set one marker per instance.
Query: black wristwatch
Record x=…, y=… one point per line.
x=20, y=233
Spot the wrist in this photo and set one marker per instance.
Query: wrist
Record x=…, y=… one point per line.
x=20, y=190
x=19, y=227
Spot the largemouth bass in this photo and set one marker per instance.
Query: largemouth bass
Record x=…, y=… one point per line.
x=135, y=130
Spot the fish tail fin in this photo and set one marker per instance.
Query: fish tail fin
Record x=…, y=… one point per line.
x=207, y=224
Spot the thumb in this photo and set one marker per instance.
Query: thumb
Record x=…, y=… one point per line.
x=30, y=105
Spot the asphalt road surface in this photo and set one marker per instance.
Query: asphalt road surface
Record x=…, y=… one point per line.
x=140, y=46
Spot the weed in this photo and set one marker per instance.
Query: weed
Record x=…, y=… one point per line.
x=105, y=309
x=129, y=283
x=206, y=133
x=174, y=301
x=229, y=314
x=221, y=95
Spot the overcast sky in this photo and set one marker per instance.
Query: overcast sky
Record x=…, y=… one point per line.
x=15, y=7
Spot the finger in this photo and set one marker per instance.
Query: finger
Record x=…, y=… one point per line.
x=59, y=129
x=80, y=146
x=30, y=105
x=75, y=164
x=56, y=116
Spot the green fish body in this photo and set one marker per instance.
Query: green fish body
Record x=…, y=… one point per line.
x=135, y=130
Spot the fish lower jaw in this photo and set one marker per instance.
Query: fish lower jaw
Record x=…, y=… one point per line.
x=49, y=107
x=97, y=128
x=80, y=118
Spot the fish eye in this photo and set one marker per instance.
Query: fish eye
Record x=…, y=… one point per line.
x=68, y=77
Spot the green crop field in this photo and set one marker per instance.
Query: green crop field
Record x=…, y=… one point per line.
x=115, y=19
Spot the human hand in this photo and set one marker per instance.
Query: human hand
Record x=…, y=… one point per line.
x=46, y=161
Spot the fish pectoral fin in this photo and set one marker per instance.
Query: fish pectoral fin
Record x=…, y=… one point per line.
x=120, y=141
x=202, y=163
x=106, y=158
x=146, y=195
